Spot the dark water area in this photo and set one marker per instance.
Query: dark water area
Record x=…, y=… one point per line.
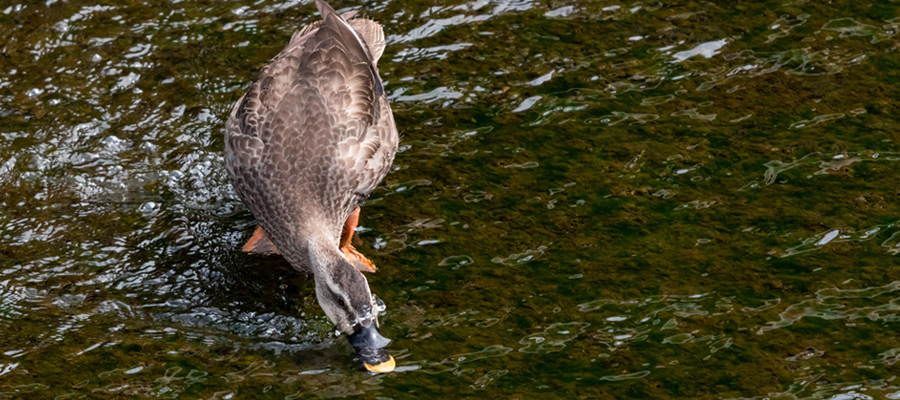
x=592, y=199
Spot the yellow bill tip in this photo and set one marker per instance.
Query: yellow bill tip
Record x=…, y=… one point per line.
x=382, y=368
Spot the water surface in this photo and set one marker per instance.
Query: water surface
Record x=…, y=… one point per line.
x=593, y=199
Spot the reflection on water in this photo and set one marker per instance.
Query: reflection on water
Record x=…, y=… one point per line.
x=595, y=199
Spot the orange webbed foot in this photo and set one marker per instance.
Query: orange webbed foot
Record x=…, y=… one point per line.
x=357, y=259
x=260, y=243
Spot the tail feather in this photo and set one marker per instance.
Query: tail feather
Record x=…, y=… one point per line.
x=370, y=31
x=349, y=37
x=373, y=34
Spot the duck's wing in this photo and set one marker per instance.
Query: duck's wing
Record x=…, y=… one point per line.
x=366, y=154
x=315, y=130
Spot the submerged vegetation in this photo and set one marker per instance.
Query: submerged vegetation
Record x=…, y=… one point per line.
x=591, y=200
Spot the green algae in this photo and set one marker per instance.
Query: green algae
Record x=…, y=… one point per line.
x=644, y=228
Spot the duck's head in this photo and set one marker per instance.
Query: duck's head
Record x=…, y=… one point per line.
x=344, y=295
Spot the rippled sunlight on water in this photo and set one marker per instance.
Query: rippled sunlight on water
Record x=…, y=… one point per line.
x=592, y=200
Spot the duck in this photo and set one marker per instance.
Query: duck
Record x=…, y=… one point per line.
x=307, y=143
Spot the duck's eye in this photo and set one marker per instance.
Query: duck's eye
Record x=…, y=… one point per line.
x=341, y=302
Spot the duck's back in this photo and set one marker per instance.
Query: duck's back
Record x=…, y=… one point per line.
x=314, y=135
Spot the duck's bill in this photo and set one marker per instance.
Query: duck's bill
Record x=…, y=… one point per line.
x=372, y=349
x=384, y=367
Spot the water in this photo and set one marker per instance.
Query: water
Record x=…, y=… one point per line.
x=592, y=200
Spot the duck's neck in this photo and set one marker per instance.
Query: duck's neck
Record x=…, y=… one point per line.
x=323, y=254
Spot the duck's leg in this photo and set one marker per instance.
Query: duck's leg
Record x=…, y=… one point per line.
x=356, y=258
x=260, y=243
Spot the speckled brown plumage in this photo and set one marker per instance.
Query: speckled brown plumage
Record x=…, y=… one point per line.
x=314, y=134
